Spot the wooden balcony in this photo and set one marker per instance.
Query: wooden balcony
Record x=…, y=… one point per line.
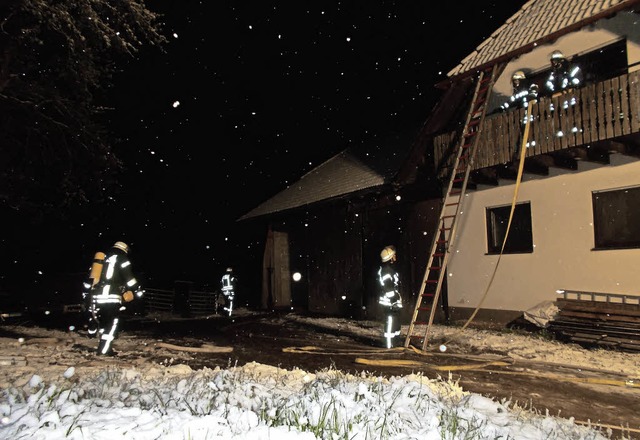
x=588, y=123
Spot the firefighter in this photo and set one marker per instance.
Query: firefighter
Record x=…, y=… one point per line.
x=109, y=287
x=520, y=95
x=390, y=297
x=228, y=284
x=563, y=76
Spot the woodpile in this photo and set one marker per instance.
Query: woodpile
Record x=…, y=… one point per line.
x=593, y=323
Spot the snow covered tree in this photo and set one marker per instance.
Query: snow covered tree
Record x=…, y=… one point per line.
x=58, y=59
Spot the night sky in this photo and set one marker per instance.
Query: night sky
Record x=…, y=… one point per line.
x=248, y=97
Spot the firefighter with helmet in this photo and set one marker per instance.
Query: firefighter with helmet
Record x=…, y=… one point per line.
x=109, y=287
x=521, y=93
x=563, y=76
x=390, y=297
x=228, y=286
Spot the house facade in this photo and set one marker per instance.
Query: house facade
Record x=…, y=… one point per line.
x=576, y=205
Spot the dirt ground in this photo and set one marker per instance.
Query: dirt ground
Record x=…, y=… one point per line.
x=584, y=395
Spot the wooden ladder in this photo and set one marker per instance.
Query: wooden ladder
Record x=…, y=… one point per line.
x=443, y=238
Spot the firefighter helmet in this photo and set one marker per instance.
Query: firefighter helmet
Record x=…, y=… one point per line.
x=229, y=269
x=387, y=253
x=557, y=55
x=518, y=75
x=121, y=245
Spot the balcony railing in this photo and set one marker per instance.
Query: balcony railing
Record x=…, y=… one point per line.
x=596, y=112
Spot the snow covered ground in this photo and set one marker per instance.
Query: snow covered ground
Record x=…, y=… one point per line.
x=53, y=390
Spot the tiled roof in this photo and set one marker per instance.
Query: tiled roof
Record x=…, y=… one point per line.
x=536, y=22
x=352, y=170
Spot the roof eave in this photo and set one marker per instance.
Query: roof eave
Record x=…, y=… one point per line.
x=445, y=84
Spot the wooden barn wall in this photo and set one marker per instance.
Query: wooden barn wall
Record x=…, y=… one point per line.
x=276, y=284
x=334, y=241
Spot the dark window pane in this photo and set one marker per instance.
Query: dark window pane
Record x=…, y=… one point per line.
x=616, y=218
x=520, y=239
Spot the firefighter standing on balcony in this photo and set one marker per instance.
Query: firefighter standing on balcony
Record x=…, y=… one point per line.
x=390, y=297
x=563, y=76
x=110, y=286
x=521, y=93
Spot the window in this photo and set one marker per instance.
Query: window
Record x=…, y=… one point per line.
x=520, y=238
x=616, y=218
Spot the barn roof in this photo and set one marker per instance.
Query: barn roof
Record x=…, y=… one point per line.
x=355, y=169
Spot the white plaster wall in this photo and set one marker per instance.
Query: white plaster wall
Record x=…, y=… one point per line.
x=601, y=33
x=562, y=222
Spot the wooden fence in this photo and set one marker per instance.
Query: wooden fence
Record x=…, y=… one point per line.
x=194, y=303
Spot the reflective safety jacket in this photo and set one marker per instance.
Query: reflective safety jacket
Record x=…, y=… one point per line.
x=389, y=286
x=565, y=77
x=228, y=284
x=116, y=278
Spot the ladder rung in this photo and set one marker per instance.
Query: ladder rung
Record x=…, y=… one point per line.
x=452, y=204
x=431, y=282
x=439, y=254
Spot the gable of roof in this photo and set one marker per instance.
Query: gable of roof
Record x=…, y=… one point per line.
x=537, y=22
x=355, y=169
